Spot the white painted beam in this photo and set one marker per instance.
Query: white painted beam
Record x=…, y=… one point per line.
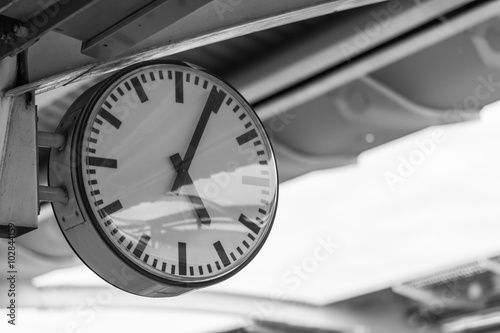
x=18, y=157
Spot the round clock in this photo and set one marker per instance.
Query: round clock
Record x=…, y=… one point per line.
x=171, y=179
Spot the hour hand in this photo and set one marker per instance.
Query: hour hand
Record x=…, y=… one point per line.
x=213, y=104
x=191, y=191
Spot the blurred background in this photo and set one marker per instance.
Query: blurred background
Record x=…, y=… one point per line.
x=386, y=127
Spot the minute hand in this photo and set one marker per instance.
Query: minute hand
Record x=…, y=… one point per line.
x=213, y=104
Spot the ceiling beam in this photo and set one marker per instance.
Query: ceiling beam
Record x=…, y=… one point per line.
x=376, y=59
x=237, y=23
x=25, y=33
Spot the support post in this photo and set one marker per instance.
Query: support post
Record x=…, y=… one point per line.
x=18, y=151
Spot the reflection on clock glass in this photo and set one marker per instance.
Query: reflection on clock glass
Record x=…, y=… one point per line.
x=179, y=173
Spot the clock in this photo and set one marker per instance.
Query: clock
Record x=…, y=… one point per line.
x=171, y=179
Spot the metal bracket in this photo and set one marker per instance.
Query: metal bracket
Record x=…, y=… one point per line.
x=17, y=36
x=9, y=29
x=51, y=140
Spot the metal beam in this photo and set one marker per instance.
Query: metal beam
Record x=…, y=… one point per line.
x=26, y=33
x=134, y=29
x=342, y=39
x=377, y=59
x=288, y=12
x=4, y=4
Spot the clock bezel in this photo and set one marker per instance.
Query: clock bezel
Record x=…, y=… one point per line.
x=78, y=130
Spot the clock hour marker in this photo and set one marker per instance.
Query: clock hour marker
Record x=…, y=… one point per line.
x=246, y=244
x=249, y=224
x=239, y=250
x=129, y=246
x=251, y=236
x=120, y=91
x=182, y=258
x=209, y=268
x=122, y=238
x=143, y=242
x=229, y=101
x=143, y=77
x=113, y=97
x=139, y=90
x=111, y=208
x=102, y=162
x=191, y=270
x=255, y=181
x=247, y=125
x=200, y=269
x=114, y=231
x=222, y=254
x=196, y=81
x=155, y=262
x=179, y=87
x=164, y=267
x=233, y=256
x=236, y=108
x=172, y=269
x=152, y=76
x=161, y=75
x=112, y=120
x=248, y=136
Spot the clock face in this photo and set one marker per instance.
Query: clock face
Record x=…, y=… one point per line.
x=178, y=173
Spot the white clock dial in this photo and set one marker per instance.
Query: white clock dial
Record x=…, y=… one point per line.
x=178, y=173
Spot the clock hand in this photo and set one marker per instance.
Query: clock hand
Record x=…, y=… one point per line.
x=213, y=104
x=192, y=193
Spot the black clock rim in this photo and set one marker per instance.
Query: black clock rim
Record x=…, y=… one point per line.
x=78, y=144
